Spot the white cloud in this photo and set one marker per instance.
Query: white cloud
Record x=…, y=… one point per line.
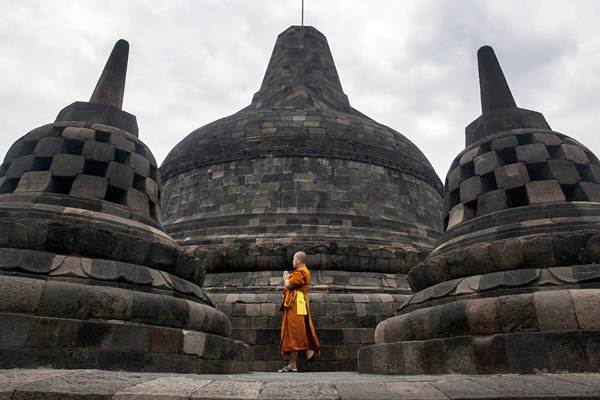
x=409, y=65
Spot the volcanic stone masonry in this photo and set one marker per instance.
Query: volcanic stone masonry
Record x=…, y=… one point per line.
x=88, y=278
x=512, y=285
x=300, y=169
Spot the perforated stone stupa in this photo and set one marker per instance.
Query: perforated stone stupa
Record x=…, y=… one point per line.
x=512, y=285
x=88, y=278
x=300, y=169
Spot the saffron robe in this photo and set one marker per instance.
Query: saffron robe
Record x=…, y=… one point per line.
x=297, y=330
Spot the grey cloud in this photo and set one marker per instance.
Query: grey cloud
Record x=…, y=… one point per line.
x=409, y=65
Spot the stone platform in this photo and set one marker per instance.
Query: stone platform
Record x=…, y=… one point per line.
x=94, y=384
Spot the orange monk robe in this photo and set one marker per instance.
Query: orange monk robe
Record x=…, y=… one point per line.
x=297, y=331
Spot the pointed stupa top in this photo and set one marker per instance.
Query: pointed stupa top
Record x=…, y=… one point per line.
x=498, y=107
x=495, y=93
x=111, y=85
x=301, y=74
x=105, y=105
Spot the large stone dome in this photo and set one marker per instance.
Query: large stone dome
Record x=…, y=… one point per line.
x=300, y=168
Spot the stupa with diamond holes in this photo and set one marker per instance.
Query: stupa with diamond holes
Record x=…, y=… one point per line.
x=512, y=286
x=300, y=169
x=88, y=277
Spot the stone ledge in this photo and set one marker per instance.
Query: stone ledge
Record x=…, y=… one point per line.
x=97, y=384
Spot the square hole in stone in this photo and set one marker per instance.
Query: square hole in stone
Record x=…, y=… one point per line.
x=42, y=163
x=555, y=152
x=62, y=184
x=508, y=155
x=467, y=170
x=537, y=172
x=517, y=197
x=572, y=194
x=154, y=173
x=9, y=185
x=488, y=182
x=524, y=138
x=153, y=210
x=73, y=146
x=115, y=195
x=122, y=156
x=139, y=183
x=454, y=199
x=96, y=168
x=103, y=137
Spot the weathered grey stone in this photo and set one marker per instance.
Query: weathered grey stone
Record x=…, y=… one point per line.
x=532, y=153
x=119, y=175
x=544, y=192
x=589, y=191
x=587, y=306
x=137, y=201
x=68, y=165
x=298, y=390
x=505, y=142
x=35, y=181
x=98, y=151
x=416, y=391
x=229, y=390
x=562, y=171
x=20, y=295
x=49, y=146
x=487, y=162
x=173, y=387
x=78, y=133
x=554, y=310
x=493, y=200
x=89, y=186
x=574, y=153
x=511, y=176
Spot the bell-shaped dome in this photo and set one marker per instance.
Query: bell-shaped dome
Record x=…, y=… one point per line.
x=300, y=168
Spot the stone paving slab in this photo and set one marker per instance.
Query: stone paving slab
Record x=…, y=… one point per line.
x=93, y=384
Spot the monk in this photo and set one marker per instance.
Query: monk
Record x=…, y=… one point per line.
x=297, y=329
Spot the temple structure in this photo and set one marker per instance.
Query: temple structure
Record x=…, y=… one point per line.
x=300, y=169
x=512, y=286
x=88, y=277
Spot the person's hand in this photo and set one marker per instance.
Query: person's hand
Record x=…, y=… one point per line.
x=286, y=275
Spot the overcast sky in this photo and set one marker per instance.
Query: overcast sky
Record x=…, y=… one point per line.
x=410, y=65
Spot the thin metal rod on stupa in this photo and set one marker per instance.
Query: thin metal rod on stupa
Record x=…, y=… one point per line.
x=302, y=21
x=111, y=85
x=495, y=93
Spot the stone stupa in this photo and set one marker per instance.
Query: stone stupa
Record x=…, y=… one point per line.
x=88, y=277
x=513, y=284
x=300, y=169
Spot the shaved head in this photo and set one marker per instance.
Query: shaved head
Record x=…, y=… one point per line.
x=300, y=256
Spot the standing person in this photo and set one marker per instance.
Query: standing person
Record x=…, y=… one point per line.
x=297, y=329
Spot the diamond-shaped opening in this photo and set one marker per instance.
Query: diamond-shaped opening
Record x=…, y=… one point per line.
x=96, y=168
x=115, y=195
x=454, y=198
x=517, y=197
x=42, y=163
x=9, y=185
x=592, y=157
x=122, y=156
x=103, y=137
x=62, y=184
x=139, y=183
x=73, y=146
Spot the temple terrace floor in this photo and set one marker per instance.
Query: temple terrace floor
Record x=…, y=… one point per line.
x=94, y=384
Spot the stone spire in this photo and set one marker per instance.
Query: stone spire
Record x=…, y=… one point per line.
x=301, y=74
x=105, y=105
x=111, y=85
x=499, y=110
x=495, y=93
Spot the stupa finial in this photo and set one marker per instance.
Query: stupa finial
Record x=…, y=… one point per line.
x=111, y=85
x=495, y=93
